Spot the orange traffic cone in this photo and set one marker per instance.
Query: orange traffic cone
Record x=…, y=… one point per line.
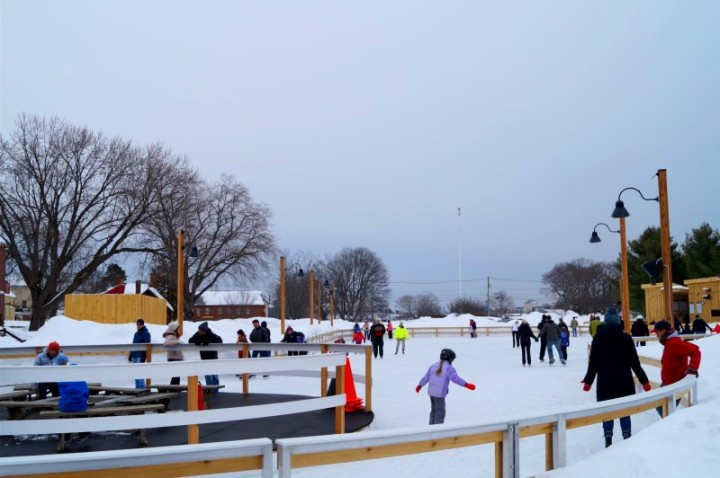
x=353, y=402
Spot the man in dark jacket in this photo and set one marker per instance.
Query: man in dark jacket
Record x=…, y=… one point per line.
x=551, y=333
x=613, y=358
x=142, y=336
x=377, y=332
x=543, y=339
x=259, y=334
x=699, y=326
x=202, y=338
x=639, y=329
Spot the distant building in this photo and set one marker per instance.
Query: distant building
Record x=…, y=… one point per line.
x=230, y=304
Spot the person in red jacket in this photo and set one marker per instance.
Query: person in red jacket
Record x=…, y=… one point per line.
x=679, y=357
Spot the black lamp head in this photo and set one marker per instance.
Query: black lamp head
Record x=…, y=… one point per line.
x=193, y=252
x=301, y=273
x=620, y=210
x=653, y=268
x=326, y=283
x=594, y=238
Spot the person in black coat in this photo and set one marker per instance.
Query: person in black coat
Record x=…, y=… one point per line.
x=377, y=332
x=543, y=339
x=202, y=338
x=613, y=358
x=639, y=329
x=699, y=325
x=525, y=333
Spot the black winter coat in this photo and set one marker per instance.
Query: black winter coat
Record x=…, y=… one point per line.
x=525, y=333
x=639, y=329
x=259, y=334
x=204, y=340
x=377, y=331
x=613, y=358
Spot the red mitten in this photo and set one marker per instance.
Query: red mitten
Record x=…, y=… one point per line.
x=646, y=386
x=417, y=389
x=470, y=386
x=586, y=387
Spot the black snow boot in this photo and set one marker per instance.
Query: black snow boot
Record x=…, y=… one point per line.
x=626, y=434
x=608, y=441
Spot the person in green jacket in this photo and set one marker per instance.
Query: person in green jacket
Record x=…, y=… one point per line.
x=401, y=334
x=594, y=324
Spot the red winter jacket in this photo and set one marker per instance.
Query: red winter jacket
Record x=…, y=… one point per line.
x=675, y=359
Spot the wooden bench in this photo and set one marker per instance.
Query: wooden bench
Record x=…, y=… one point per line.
x=18, y=394
x=19, y=409
x=207, y=390
x=153, y=398
x=101, y=412
x=97, y=388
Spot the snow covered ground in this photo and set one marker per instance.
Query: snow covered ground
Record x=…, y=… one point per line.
x=685, y=444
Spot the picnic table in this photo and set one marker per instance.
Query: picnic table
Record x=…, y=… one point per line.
x=207, y=390
x=104, y=412
x=97, y=388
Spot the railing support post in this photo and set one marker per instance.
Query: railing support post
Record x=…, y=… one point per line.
x=510, y=453
x=559, y=438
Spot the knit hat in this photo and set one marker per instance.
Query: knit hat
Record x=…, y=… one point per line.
x=289, y=329
x=611, y=316
x=173, y=326
x=204, y=326
x=241, y=332
x=61, y=359
x=140, y=322
x=53, y=346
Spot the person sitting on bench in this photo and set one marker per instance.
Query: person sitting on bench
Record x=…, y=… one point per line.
x=48, y=357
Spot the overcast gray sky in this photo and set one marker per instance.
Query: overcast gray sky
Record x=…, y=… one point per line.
x=368, y=123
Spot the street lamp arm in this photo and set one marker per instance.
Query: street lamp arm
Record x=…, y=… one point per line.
x=603, y=224
x=640, y=193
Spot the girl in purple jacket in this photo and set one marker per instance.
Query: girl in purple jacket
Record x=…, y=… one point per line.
x=439, y=376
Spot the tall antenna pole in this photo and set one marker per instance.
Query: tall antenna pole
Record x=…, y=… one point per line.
x=459, y=254
x=488, y=297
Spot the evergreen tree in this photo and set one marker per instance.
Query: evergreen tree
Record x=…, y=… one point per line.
x=702, y=252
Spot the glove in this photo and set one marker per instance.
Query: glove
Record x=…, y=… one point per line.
x=586, y=387
x=646, y=386
x=470, y=386
x=692, y=371
x=418, y=388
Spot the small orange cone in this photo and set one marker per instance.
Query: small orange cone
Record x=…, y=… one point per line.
x=353, y=402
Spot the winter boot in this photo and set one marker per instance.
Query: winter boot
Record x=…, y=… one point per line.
x=626, y=434
x=608, y=440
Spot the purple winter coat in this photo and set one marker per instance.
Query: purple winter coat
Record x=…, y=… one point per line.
x=439, y=384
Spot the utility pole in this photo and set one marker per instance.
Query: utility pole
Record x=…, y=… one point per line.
x=459, y=254
x=487, y=305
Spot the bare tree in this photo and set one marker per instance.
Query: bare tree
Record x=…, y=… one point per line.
x=407, y=305
x=466, y=305
x=72, y=199
x=502, y=302
x=360, y=282
x=582, y=285
x=428, y=305
x=230, y=231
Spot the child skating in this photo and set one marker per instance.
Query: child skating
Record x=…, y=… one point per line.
x=439, y=376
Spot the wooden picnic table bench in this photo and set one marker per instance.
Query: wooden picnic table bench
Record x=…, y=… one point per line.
x=207, y=390
x=153, y=398
x=19, y=409
x=104, y=411
x=98, y=388
x=15, y=395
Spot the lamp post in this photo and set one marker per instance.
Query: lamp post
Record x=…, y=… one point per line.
x=283, y=271
x=3, y=258
x=621, y=213
x=624, y=286
x=181, y=278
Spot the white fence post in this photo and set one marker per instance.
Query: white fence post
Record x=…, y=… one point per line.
x=559, y=438
x=511, y=452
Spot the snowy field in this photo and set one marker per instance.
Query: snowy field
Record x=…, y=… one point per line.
x=505, y=389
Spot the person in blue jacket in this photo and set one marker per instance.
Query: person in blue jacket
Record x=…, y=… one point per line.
x=73, y=395
x=439, y=376
x=142, y=336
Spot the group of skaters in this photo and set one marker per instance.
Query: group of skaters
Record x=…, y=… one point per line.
x=375, y=333
x=550, y=335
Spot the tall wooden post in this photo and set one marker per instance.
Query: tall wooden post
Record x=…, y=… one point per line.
x=312, y=295
x=180, y=281
x=665, y=244
x=282, y=295
x=332, y=307
x=624, y=282
x=319, y=301
x=193, y=431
